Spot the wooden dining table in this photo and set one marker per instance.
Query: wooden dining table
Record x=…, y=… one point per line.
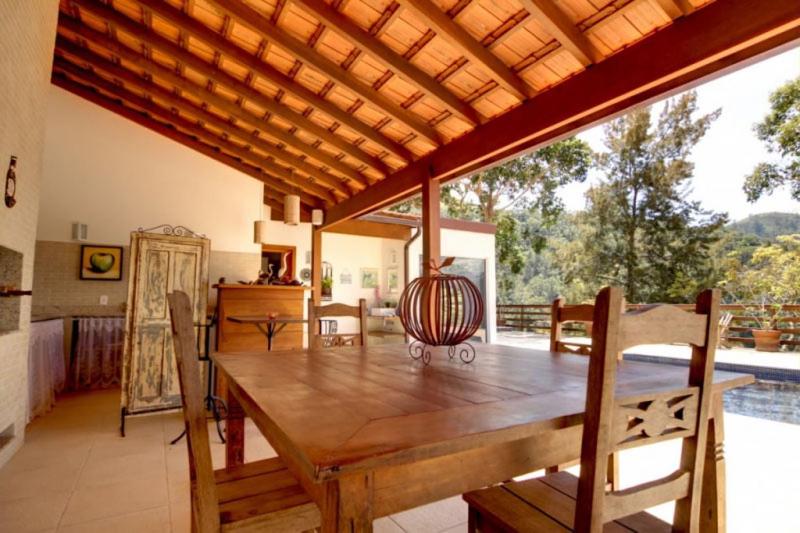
x=369, y=432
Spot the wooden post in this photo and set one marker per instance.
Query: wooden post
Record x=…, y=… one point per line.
x=431, y=231
x=316, y=265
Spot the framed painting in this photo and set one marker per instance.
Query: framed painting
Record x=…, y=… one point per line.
x=369, y=278
x=101, y=262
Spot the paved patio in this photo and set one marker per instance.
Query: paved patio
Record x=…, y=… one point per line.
x=75, y=474
x=735, y=355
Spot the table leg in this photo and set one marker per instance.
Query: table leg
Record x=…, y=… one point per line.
x=234, y=424
x=347, y=504
x=270, y=334
x=712, y=504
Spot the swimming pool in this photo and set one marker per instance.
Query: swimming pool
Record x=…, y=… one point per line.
x=772, y=400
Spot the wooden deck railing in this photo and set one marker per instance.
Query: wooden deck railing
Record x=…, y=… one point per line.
x=536, y=317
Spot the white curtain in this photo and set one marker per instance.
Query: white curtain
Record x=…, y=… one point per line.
x=98, y=353
x=46, y=368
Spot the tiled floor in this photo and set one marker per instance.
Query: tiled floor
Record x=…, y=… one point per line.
x=75, y=474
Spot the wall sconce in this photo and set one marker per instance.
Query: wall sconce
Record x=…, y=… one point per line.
x=317, y=217
x=260, y=226
x=291, y=209
x=11, y=182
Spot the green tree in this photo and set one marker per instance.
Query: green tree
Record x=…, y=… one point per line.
x=780, y=130
x=771, y=275
x=528, y=184
x=640, y=230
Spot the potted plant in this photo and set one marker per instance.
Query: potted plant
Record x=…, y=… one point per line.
x=766, y=336
x=327, y=287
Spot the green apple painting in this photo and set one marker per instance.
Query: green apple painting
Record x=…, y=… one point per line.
x=101, y=262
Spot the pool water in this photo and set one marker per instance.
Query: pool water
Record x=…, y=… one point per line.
x=773, y=400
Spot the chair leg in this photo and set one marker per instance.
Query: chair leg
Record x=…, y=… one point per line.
x=612, y=471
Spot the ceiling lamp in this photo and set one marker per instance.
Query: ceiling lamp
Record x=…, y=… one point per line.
x=317, y=217
x=260, y=226
x=291, y=209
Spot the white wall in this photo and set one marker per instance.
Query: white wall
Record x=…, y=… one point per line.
x=27, y=36
x=472, y=245
x=117, y=176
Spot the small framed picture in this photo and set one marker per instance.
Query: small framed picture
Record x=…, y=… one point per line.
x=101, y=262
x=369, y=278
x=392, y=279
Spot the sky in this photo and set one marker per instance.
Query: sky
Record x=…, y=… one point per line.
x=730, y=150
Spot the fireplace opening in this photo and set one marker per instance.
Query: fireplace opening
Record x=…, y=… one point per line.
x=10, y=281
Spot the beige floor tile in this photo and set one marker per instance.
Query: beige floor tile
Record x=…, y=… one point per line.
x=104, y=470
x=39, y=513
x=18, y=484
x=180, y=516
x=433, y=517
x=149, y=521
x=460, y=528
x=33, y=456
x=386, y=525
x=102, y=501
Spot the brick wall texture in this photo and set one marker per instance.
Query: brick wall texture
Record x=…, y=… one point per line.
x=58, y=289
x=27, y=38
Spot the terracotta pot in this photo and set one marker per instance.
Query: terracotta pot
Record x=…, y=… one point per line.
x=767, y=340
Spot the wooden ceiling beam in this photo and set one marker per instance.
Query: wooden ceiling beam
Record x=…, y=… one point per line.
x=557, y=24
x=153, y=39
x=154, y=69
x=281, y=179
x=675, y=8
x=264, y=70
x=469, y=46
x=390, y=59
x=721, y=36
x=129, y=78
x=252, y=19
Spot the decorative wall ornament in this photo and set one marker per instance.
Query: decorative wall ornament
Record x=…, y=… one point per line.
x=11, y=182
x=101, y=263
x=346, y=278
x=175, y=231
x=369, y=278
x=392, y=279
x=441, y=310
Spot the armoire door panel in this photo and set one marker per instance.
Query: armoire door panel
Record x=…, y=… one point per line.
x=163, y=263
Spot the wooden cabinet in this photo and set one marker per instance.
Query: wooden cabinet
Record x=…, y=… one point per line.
x=249, y=300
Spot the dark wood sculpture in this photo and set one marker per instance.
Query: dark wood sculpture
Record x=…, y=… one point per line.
x=441, y=310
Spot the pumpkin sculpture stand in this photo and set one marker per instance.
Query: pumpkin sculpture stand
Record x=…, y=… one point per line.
x=441, y=310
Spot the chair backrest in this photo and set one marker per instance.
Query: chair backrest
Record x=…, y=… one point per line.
x=316, y=312
x=560, y=314
x=612, y=423
x=205, y=505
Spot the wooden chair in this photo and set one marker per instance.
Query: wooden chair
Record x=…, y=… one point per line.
x=257, y=496
x=561, y=314
x=317, y=312
x=560, y=501
x=724, y=325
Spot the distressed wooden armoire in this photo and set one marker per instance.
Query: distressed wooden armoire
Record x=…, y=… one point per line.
x=162, y=260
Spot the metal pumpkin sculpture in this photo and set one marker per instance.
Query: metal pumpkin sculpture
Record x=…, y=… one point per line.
x=441, y=310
